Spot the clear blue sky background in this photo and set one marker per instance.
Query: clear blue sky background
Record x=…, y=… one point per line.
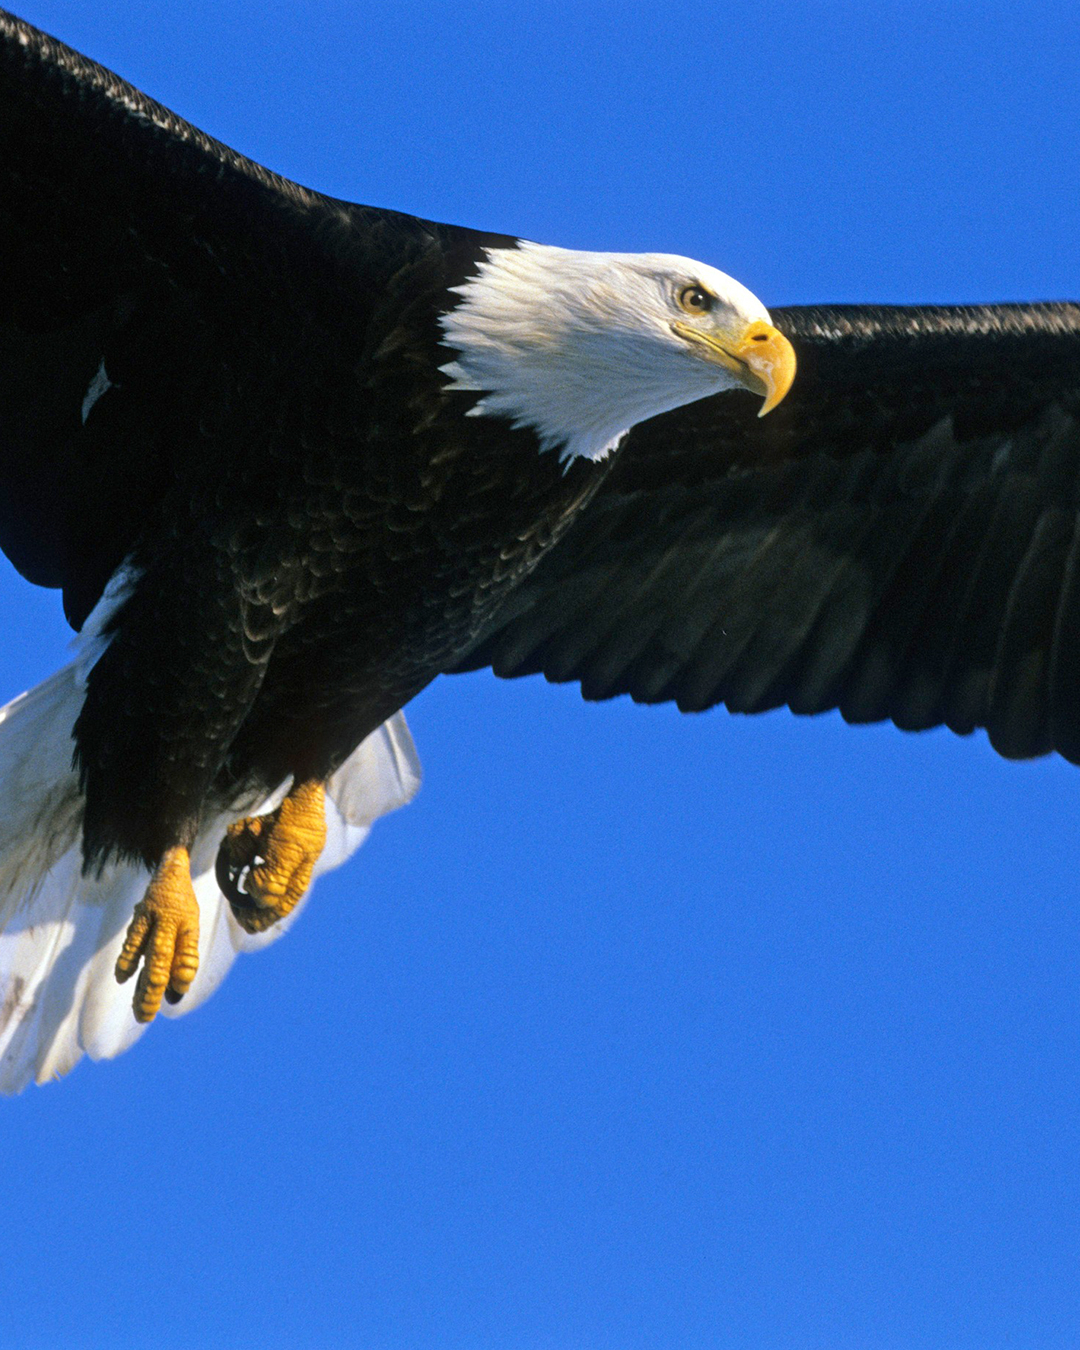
x=634, y=1031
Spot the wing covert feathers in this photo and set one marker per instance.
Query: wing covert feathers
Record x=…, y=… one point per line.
x=60, y=931
x=899, y=540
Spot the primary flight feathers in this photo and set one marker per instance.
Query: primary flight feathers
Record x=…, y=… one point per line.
x=290, y=458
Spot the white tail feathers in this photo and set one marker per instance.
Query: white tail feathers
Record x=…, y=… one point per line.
x=61, y=931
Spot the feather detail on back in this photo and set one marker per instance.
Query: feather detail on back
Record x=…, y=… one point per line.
x=61, y=931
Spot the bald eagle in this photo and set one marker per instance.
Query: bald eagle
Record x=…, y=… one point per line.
x=289, y=458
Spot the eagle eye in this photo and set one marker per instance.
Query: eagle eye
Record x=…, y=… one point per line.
x=695, y=299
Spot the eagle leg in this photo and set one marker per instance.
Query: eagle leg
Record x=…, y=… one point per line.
x=164, y=933
x=278, y=852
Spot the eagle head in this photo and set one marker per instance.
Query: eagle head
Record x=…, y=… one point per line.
x=580, y=347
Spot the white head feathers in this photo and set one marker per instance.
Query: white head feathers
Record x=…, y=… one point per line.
x=581, y=346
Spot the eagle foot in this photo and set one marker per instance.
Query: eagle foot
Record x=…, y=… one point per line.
x=164, y=935
x=264, y=864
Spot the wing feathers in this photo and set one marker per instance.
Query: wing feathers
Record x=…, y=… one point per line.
x=1064, y=696
x=1018, y=713
x=896, y=540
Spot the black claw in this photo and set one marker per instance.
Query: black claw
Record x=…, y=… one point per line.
x=229, y=873
x=243, y=906
x=230, y=870
x=171, y=996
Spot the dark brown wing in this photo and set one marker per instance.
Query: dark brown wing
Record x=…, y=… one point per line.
x=900, y=539
x=148, y=276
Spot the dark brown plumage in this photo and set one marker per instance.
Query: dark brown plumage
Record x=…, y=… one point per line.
x=898, y=540
x=265, y=346
x=226, y=398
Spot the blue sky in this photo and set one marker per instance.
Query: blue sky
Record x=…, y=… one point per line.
x=634, y=1030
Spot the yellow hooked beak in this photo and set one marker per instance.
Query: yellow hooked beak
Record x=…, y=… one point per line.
x=761, y=358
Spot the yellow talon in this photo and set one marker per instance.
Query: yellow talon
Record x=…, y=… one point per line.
x=164, y=934
x=288, y=842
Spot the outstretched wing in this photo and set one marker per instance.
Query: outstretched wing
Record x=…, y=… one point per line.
x=142, y=264
x=900, y=539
